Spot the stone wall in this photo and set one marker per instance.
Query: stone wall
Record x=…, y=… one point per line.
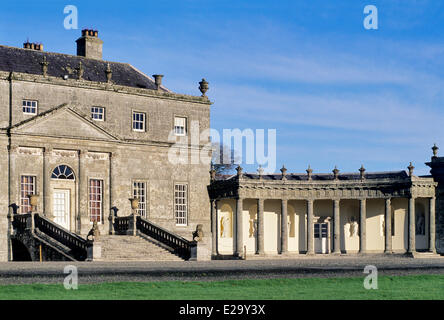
x=108, y=150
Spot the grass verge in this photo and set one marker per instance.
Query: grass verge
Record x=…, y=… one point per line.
x=389, y=287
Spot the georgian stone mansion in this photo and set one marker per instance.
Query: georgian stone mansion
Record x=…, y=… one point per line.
x=85, y=175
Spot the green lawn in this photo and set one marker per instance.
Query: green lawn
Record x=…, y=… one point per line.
x=402, y=287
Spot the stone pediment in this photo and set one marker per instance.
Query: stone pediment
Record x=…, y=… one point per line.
x=64, y=122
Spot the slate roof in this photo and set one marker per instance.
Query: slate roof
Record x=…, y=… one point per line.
x=28, y=61
x=391, y=175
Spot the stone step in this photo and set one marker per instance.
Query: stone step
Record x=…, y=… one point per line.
x=132, y=248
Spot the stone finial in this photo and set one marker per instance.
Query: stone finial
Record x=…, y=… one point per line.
x=14, y=208
x=80, y=70
x=284, y=172
x=336, y=172
x=435, y=150
x=410, y=167
x=309, y=173
x=109, y=73
x=239, y=171
x=362, y=171
x=198, y=233
x=203, y=87
x=260, y=171
x=33, y=201
x=114, y=210
x=158, y=80
x=44, y=65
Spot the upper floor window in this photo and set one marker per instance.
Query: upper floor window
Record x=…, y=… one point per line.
x=98, y=113
x=29, y=107
x=180, y=126
x=139, y=121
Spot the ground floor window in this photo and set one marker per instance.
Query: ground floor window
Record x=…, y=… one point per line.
x=95, y=200
x=180, y=204
x=27, y=187
x=139, y=192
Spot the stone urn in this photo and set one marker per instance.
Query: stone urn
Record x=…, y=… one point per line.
x=33, y=201
x=203, y=87
x=134, y=204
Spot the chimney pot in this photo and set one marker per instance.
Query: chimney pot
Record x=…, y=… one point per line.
x=158, y=80
x=33, y=46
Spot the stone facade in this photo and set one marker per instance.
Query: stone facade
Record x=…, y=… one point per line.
x=62, y=132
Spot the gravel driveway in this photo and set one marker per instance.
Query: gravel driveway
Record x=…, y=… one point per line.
x=93, y=272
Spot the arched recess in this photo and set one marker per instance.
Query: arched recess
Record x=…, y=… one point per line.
x=225, y=227
x=421, y=226
x=293, y=228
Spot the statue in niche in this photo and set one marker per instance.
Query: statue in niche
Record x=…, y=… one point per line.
x=420, y=224
x=353, y=227
x=224, y=225
x=252, y=229
x=347, y=230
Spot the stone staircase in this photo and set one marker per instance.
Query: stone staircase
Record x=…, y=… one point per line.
x=131, y=248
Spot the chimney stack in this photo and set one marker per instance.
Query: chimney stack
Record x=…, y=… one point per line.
x=158, y=80
x=33, y=46
x=89, y=45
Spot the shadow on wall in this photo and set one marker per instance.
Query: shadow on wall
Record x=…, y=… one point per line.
x=19, y=251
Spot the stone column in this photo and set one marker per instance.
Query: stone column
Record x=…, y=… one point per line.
x=82, y=187
x=284, y=226
x=214, y=227
x=412, y=231
x=337, y=226
x=310, y=231
x=388, y=226
x=47, y=172
x=239, y=228
x=432, y=226
x=260, y=227
x=362, y=226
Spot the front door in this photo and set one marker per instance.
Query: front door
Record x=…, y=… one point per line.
x=61, y=208
x=320, y=237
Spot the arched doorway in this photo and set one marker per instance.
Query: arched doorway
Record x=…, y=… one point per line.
x=63, y=196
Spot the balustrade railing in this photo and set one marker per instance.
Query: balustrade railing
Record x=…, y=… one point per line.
x=79, y=247
x=181, y=246
x=122, y=224
x=20, y=221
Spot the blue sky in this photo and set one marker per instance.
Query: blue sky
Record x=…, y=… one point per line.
x=336, y=93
